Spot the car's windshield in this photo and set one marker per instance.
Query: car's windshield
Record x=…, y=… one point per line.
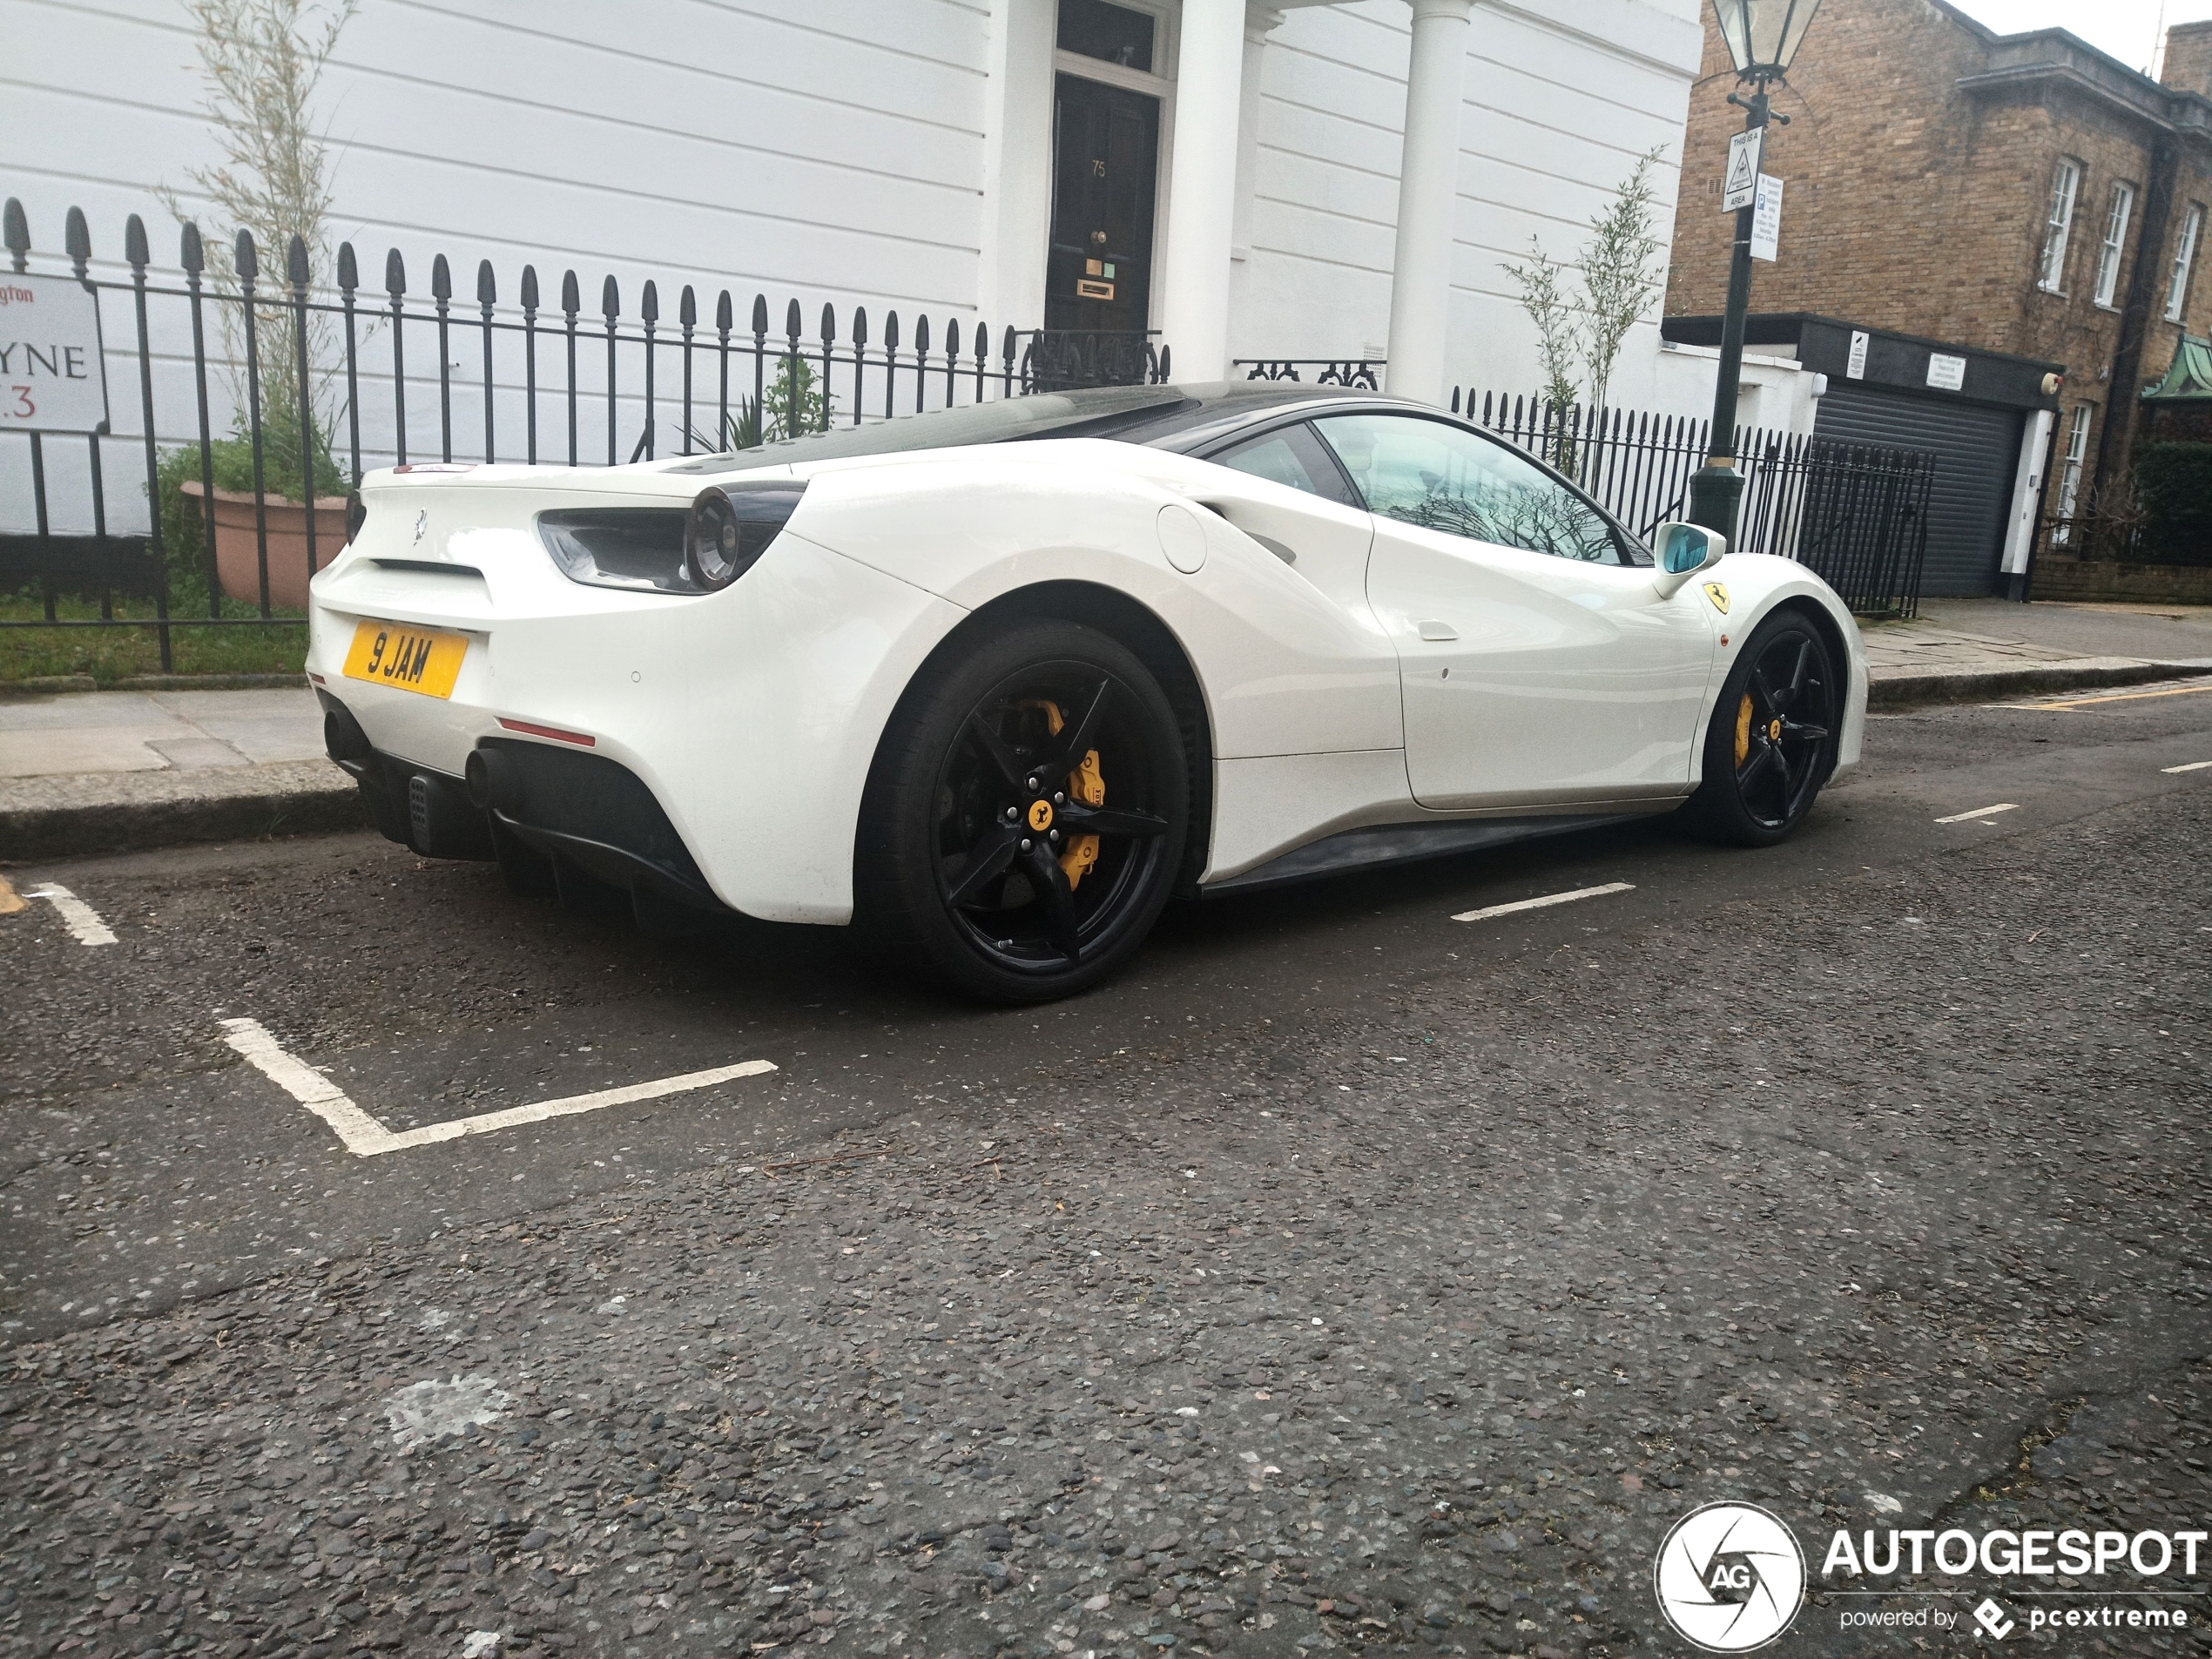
x=1103, y=412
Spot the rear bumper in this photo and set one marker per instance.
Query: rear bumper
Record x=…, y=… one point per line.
x=737, y=729
x=580, y=814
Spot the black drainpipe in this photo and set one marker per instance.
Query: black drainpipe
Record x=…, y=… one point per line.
x=2134, y=318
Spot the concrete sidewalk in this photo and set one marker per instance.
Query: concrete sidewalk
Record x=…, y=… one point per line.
x=1960, y=649
x=85, y=773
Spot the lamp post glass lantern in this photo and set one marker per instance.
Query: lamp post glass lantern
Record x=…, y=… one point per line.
x=1763, y=37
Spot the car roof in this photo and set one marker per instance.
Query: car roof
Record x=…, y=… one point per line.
x=1183, y=416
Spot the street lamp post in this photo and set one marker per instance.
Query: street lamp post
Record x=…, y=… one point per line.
x=1763, y=36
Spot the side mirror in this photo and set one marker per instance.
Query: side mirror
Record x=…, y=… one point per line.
x=1684, y=549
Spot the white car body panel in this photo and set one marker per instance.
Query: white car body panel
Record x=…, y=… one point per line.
x=753, y=714
x=1528, y=679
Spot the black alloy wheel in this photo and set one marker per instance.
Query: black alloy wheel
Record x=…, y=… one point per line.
x=1772, y=743
x=1025, y=819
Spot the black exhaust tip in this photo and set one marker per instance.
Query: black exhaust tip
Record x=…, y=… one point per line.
x=495, y=782
x=343, y=737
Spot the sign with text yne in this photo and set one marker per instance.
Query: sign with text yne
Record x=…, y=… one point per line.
x=53, y=377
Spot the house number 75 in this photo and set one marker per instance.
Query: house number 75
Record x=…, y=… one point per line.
x=1098, y=168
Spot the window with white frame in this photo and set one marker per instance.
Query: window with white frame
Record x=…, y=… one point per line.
x=2065, y=186
x=2177, y=290
x=2077, y=456
x=2115, y=242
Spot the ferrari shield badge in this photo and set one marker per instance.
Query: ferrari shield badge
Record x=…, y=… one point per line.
x=1717, y=592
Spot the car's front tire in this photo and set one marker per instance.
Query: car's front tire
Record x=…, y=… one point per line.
x=1025, y=816
x=1773, y=739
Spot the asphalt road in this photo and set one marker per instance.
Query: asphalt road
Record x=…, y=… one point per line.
x=1344, y=1277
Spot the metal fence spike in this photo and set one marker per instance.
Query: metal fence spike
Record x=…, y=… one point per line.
x=16, y=232
x=891, y=331
x=394, y=273
x=486, y=284
x=189, y=253
x=441, y=279
x=76, y=237
x=571, y=296
x=829, y=324
x=760, y=316
x=860, y=327
x=687, y=308
x=649, y=302
x=922, y=335
x=348, y=272
x=724, y=312
x=244, y=259
x=609, y=299
x=135, y=251
x=952, y=340
x=530, y=288
x=295, y=260
x=792, y=322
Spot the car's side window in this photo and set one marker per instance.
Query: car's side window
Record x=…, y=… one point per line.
x=1426, y=473
x=1290, y=456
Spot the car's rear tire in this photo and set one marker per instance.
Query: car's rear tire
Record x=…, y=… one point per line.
x=1773, y=738
x=969, y=866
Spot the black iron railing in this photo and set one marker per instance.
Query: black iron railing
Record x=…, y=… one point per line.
x=317, y=377
x=1325, y=371
x=1855, y=514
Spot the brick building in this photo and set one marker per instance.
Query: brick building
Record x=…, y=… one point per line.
x=2023, y=194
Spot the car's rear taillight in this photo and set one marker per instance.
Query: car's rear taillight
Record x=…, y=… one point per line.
x=730, y=527
x=667, y=550
x=618, y=547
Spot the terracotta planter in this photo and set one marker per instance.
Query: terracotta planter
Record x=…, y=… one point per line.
x=238, y=560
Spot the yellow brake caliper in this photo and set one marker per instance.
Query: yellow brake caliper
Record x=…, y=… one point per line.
x=1743, y=732
x=1088, y=784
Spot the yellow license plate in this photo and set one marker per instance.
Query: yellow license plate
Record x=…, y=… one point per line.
x=413, y=659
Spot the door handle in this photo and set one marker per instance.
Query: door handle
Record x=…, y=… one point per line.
x=1432, y=629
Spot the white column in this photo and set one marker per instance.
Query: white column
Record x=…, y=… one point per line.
x=1428, y=186
x=1259, y=22
x=1017, y=165
x=1202, y=189
x=2027, y=496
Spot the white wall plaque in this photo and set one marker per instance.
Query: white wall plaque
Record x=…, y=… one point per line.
x=53, y=377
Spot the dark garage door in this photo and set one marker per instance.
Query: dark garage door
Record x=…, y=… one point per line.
x=1976, y=451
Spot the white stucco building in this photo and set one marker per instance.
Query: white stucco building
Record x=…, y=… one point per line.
x=1308, y=180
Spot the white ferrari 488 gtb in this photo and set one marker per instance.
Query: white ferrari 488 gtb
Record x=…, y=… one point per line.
x=994, y=683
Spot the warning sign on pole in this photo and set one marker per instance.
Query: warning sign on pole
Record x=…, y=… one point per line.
x=1745, y=152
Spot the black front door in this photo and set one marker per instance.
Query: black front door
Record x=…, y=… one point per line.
x=1105, y=155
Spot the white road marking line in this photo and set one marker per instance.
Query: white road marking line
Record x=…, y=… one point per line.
x=1981, y=811
x=362, y=1133
x=364, y=1136
x=488, y=1122
x=1489, y=911
x=2194, y=766
x=80, y=917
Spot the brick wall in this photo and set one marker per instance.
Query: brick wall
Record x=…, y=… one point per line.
x=1912, y=204
x=1871, y=164
x=2189, y=57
